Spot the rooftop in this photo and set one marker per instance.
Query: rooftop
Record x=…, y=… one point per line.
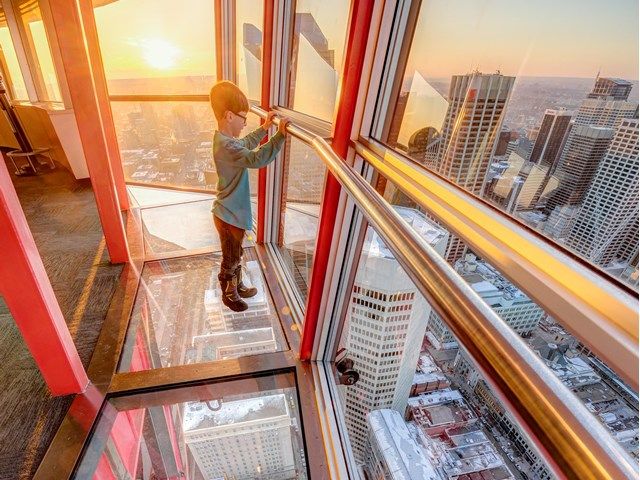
x=198, y=415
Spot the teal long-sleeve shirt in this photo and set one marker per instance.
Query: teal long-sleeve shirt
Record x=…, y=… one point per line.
x=232, y=158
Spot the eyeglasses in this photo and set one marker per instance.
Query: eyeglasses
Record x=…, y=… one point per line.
x=243, y=117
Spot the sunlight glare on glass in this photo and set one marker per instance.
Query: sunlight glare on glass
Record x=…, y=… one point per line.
x=159, y=53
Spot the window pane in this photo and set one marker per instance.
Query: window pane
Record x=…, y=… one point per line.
x=15, y=81
x=425, y=387
x=249, y=20
x=170, y=143
x=317, y=54
x=535, y=134
x=171, y=51
x=303, y=184
x=249, y=428
x=37, y=41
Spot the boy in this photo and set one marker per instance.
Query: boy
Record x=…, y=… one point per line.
x=232, y=208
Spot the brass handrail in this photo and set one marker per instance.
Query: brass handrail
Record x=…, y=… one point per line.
x=568, y=437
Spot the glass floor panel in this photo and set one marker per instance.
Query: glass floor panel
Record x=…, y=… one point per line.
x=178, y=317
x=174, y=229
x=242, y=429
x=182, y=227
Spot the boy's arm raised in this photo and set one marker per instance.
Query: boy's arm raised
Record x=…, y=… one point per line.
x=240, y=156
x=252, y=140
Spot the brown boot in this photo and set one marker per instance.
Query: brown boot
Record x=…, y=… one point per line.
x=230, y=295
x=243, y=290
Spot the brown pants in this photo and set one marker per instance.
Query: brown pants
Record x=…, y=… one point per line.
x=231, y=241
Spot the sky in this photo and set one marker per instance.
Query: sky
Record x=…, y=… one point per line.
x=556, y=38
x=570, y=38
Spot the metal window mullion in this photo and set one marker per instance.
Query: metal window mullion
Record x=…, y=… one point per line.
x=54, y=49
x=228, y=41
x=396, y=34
x=25, y=60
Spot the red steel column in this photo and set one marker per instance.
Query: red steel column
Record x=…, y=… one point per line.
x=354, y=60
x=265, y=103
x=28, y=294
x=102, y=93
x=77, y=69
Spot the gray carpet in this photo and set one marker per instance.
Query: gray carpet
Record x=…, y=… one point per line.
x=64, y=221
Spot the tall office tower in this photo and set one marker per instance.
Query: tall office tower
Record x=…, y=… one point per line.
x=606, y=230
x=503, y=140
x=603, y=113
x=385, y=329
x=585, y=149
x=549, y=140
x=611, y=89
x=472, y=127
x=518, y=310
x=245, y=438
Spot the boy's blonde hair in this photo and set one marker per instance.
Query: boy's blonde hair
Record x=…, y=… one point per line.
x=226, y=96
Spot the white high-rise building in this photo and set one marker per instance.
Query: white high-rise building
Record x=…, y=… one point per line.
x=394, y=451
x=518, y=310
x=606, y=230
x=386, y=326
x=604, y=113
x=472, y=127
x=242, y=439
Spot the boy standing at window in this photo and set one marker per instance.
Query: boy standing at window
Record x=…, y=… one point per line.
x=232, y=157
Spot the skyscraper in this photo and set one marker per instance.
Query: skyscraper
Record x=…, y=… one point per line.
x=244, y=438
x=552, y=131
x=585, y=148
x=472, y=127
x=607, y=228
x=386, y=325
x=611, y=89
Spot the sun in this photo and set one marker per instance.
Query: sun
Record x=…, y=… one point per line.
x=159, y=53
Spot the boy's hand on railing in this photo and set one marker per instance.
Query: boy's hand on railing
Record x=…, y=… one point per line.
x=282, y=127
x=269, y=120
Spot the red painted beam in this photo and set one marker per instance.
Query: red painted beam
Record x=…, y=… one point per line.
x=354, y=59
x=102, y=94
x=25, y=287
x=77, y=70
x=265, y=103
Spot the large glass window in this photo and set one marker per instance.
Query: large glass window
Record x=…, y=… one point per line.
x=157, y=47
x=11, y=67
x=302, y=187
x=318, y=46
x=38, y=44
x=170, y=143
x=249, y=20
x=415, y=382
x=538, y=120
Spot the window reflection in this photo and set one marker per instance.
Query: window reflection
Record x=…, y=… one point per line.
x=511, y=121
x=249, y=20
x=317, y=55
